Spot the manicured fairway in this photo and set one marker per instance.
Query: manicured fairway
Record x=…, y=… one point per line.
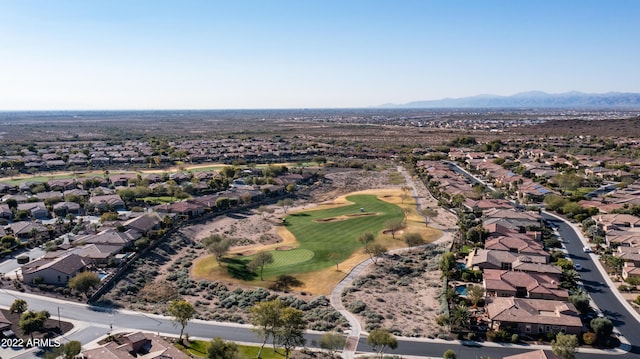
x=326, y=233
x=291, y=256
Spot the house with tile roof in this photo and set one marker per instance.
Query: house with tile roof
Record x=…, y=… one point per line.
x=55, y=271
x=532, y=316
x=502, y=283
x=136, y=345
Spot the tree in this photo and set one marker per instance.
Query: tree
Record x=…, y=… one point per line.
x=413, y=239
x=449, y=354
x=336, y=257
x=475, y=293
x=31, y=322
x=332, y=342
x=286, y=281
x=84, y=281
x=429, y=214
x=264, y=210
x=260, y=260
x=581, y=301
x=71, y=349
x=182, y=312
x=406, y=191
x=374, y=250
x=565, y=345
x=265, y=317
x=218, y=245
x=603, y=327
x=18, y=306
x=366, y=239
x=459, y=317
x=381, y=338
x=291, y=332
x=447, y=264
x=220, y=349
x=393, y=225
x=285, y=203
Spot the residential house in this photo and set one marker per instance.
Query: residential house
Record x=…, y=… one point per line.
x=122, y=179
x=629, y=254
x=502, y=283
x=7, y=188
x=75, y=192
x=50, y=195
x=5, y=212
x=536, y=354
x=186, y=208
x=524, y=264
x=97, y=254
x=62, y=184
x=144, y=223
x=136, y=345
x=25, y=230
x=55, y=271
x=617, y=238
x=480, y=258
x=107, y=202
x=630, y=269
x=109, y=236
x=612, y=221
x=520, y=219
x=37, y=210
x=486, y=204
x=64, y=208
x=5, y=327
x=532, y=316
x=517, y=244
x=19, y=198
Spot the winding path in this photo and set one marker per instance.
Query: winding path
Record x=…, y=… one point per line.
x=336, y=295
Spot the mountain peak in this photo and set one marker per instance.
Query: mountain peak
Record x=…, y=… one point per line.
x=534, y=99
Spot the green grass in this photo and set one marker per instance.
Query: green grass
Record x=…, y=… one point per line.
x=328, y=237
x=160, y=200
x=199, y=349
x=289, y=257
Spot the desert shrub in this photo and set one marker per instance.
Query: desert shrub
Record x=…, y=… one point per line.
x=589, y=338
x=550, y=336
x=357, y=307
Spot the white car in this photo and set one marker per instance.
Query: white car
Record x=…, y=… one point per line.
x=586, y=250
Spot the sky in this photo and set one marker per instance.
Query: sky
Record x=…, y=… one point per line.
x=244, y=54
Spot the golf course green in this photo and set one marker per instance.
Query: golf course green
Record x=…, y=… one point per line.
x=325, y=236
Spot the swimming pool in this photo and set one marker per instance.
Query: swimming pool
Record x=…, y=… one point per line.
x=461, y=290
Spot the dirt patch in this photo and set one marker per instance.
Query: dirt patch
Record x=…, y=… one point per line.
x=400, y=293
x=284, y=248
x=345, y=217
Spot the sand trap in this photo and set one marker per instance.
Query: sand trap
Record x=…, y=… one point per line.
x=345, y=217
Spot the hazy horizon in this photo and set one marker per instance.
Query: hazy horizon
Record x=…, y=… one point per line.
x=217, y=55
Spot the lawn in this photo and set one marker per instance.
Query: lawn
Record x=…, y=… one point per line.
x=198, y=348
x=323, y=234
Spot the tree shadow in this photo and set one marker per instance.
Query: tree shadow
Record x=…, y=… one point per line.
x=237, y=268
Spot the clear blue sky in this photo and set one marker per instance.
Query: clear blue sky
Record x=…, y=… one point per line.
x=134, y=54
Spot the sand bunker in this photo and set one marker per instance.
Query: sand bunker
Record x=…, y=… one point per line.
x=345, y=217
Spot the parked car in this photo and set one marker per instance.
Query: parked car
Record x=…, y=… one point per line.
x=586, y=250
x=578, y=266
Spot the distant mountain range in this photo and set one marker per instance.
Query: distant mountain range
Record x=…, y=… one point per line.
x=533, y=99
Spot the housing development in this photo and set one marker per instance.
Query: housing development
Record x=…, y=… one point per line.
x=320, y=234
